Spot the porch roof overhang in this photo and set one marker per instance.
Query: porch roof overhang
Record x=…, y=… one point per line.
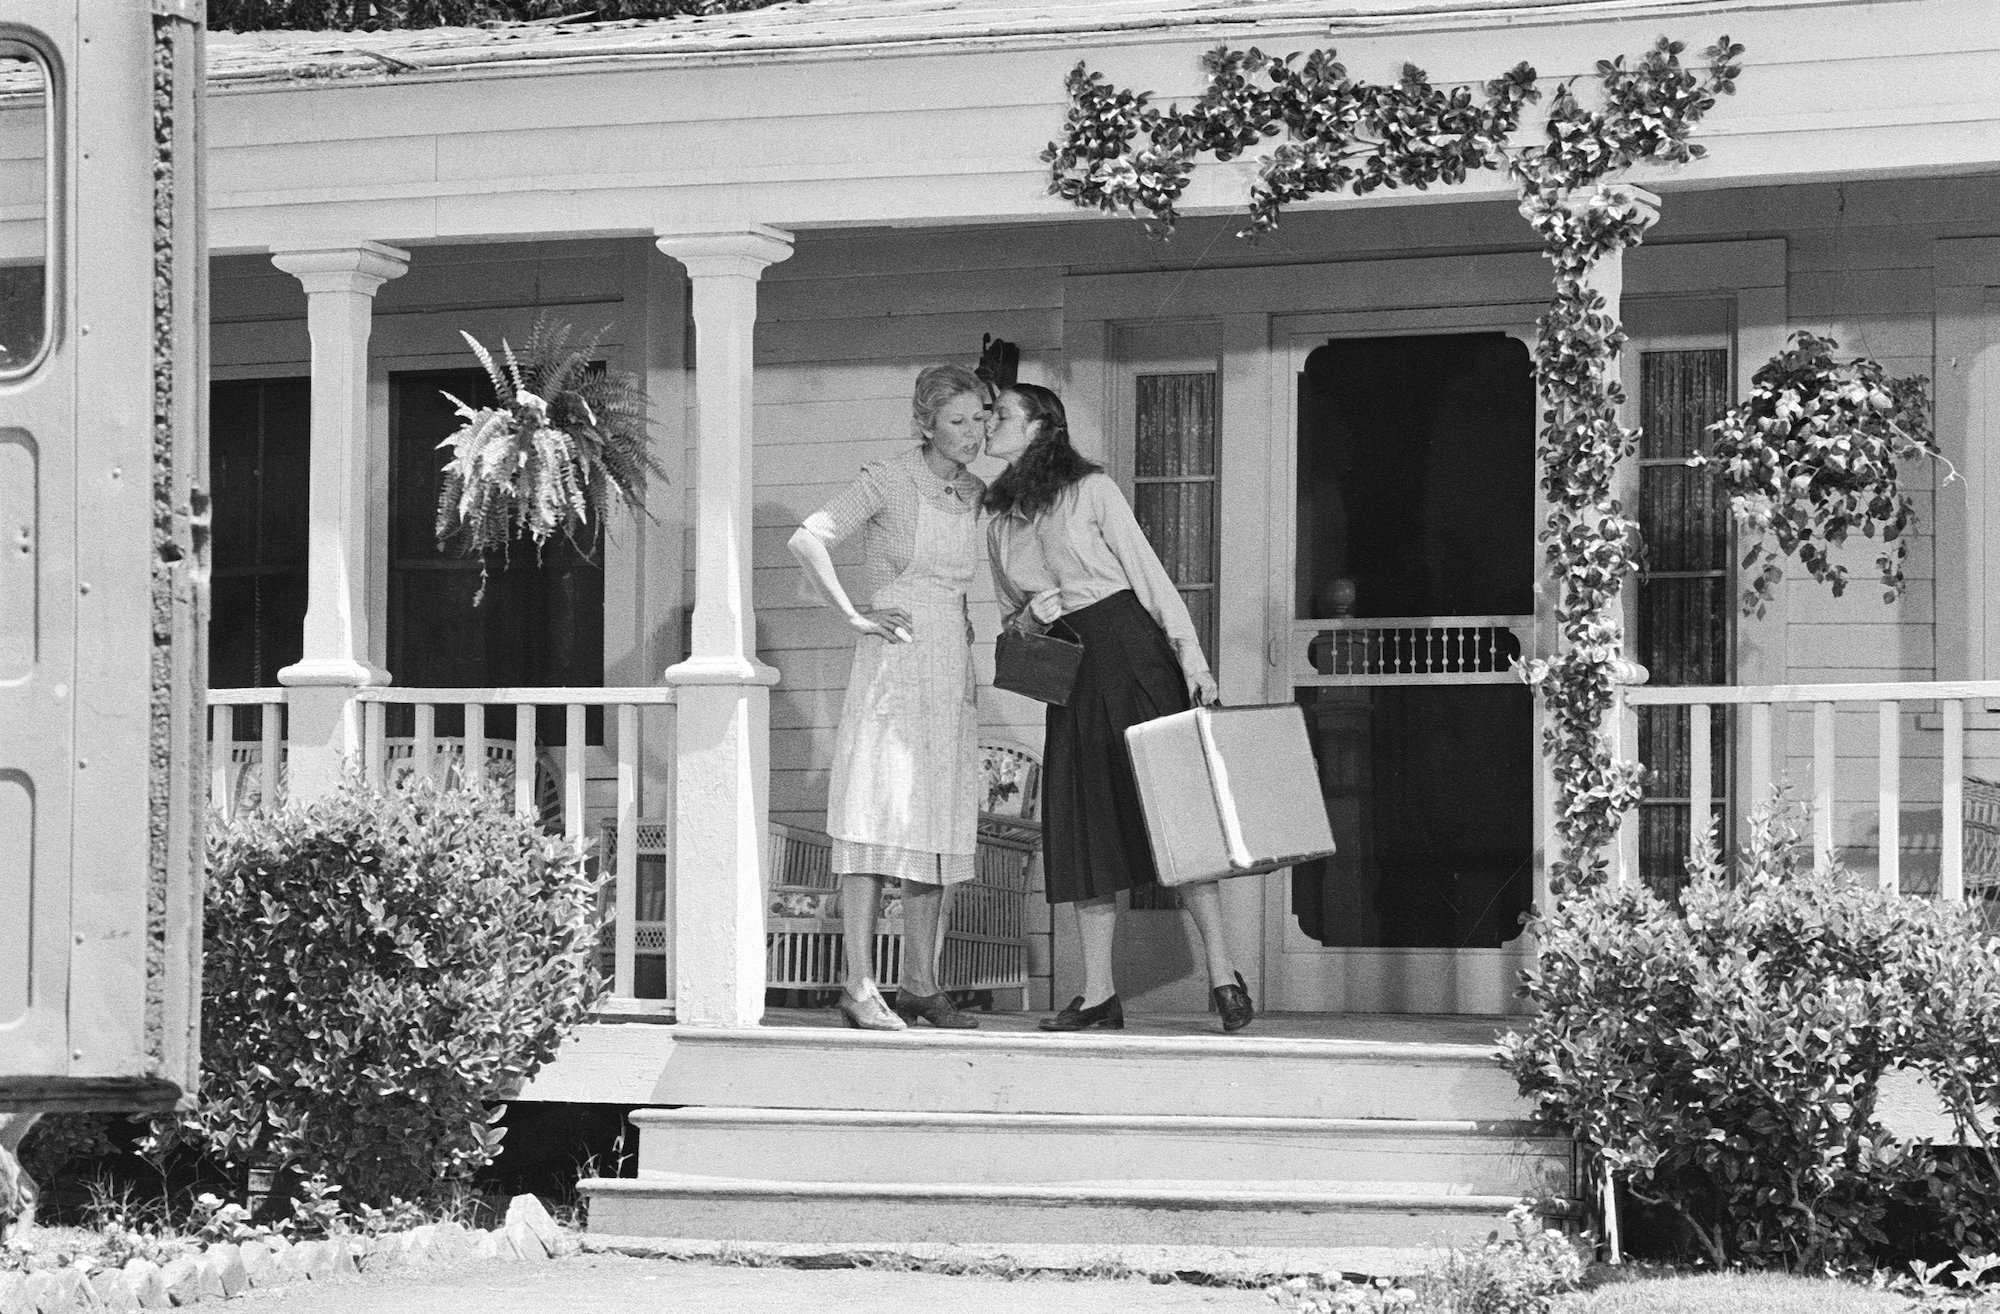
x=843, y=113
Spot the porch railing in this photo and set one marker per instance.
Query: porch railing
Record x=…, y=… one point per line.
x=1905, y=716
x=553, y=786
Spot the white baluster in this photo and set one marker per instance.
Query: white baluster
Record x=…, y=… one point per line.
x=1951, y=825
x=374, y=749
x=273, y=754
x=1889, y=794
x=624, y=954
x=524, y=759
x=573, y=772
x=1701, y=776
x=1759, y=791
x=221, y=731
x=1823, y=769
x=473, y=770
x=424, y=748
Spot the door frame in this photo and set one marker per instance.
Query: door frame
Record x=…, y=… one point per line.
x=1300, y=973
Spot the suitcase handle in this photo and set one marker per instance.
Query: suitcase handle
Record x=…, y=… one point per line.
x=1218, y=784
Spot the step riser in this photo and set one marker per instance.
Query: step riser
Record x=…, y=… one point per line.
x=1480, y=1165
x=1051, y=1077
x=860, y=1220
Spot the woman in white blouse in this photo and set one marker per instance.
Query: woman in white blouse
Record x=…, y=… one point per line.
x=903, y=803
x=1067, y=552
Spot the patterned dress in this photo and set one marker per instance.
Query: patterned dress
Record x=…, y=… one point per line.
x=904, y=797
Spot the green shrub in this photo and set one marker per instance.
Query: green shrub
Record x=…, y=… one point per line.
x=1722, y=1058
x=378, y=968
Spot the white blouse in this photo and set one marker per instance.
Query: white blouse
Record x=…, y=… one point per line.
x=1089, y=546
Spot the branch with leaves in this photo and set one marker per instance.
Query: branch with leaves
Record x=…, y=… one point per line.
x=1329, y=134
x=1816, y=452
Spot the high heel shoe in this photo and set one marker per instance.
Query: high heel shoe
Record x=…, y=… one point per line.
x=937, y=1009
x=1109, y=1016
x=1233, y=1002
x=867, y=1011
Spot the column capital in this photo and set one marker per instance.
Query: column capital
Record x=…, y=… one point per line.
x=353, y=267
x=745, y=251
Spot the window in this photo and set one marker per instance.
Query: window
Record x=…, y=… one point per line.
x=29, y=142
x=1684, y=595
x=1174, y=486
x=541, y=621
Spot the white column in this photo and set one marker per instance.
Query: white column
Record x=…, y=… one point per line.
x=340, y=284
x=723, y=708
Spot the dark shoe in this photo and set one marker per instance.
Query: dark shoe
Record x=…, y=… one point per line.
x=1233, y=1002
x=937, y=1009
x=1109, y=1015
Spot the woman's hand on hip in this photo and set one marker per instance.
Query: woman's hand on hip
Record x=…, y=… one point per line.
x=1202, y=689
x=891, y=623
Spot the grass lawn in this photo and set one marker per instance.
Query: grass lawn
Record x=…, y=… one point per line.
x=1736, y=1293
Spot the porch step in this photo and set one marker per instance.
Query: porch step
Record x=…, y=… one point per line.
x=1168, y=1213
x=849, y=1145
x=1110, y=1073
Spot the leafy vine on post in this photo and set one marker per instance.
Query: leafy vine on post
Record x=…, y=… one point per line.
x=1334, y=133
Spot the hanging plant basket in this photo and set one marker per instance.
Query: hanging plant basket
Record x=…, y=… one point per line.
x=563, y=443
x=1816, y=452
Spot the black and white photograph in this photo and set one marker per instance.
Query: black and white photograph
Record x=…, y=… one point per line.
x=818, y=656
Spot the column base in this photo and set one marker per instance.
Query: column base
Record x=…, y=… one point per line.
x=720, y=670
x=323, y=671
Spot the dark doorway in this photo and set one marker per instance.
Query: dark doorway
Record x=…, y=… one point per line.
x=1416, y=499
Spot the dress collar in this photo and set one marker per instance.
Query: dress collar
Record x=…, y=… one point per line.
x=964, y=489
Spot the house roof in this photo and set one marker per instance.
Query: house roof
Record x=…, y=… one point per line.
x=837, y=28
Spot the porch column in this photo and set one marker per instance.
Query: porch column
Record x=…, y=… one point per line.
x=1606, y=277
x=723, y=707
x=325, y=724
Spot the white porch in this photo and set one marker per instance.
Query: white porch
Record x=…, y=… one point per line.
x=784, y=224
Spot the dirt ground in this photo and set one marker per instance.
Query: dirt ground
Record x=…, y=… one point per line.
x=615, y=1284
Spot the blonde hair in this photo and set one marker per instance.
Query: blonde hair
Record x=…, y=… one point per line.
x=936, y=386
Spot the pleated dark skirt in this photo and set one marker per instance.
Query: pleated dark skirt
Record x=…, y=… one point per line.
x=1093, y=826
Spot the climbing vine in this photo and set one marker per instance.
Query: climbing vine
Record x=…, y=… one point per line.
x=1813, y=453
x=1332, y=133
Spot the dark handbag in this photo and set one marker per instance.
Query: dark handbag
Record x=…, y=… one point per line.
x=1039, y=666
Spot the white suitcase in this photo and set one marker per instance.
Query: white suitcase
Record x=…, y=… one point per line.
x=1229, y=791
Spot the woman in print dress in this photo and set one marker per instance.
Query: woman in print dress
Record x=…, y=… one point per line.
x=1067, y=551
x=903, y=803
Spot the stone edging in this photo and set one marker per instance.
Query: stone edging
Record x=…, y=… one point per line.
x=227, y=1269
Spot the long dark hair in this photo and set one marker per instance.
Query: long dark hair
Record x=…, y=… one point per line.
x=1051, y=463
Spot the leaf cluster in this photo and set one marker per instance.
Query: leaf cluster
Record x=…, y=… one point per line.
x=1816, y=452
x=562, y=444
x=1723, y=1056
x=379, y=968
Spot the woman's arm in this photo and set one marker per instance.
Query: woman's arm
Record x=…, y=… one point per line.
x=891, y=623
x=1044, y=606
x=1150, y=581
x=847, y=512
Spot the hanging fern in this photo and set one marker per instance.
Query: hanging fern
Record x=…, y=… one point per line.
x=562, y=444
